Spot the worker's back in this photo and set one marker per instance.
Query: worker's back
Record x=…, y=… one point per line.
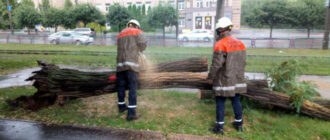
x=130, y=42
x=231, y=74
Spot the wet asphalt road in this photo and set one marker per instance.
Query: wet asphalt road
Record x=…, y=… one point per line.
x=23, y=130
x=27, y=130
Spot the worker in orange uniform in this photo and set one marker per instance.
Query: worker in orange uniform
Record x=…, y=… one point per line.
x=227, y=74
x=130, y=43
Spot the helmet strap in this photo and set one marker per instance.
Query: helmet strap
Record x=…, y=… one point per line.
x=226, y=29
x=133, y=25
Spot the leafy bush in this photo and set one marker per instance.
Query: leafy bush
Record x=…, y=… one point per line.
x=283, y=79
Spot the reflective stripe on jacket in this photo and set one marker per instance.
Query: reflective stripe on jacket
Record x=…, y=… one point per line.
x=130, y=42
x=227, y=69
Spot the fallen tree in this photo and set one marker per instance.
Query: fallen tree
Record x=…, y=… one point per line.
x=57, y=85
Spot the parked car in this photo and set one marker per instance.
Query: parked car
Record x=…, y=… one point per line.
x=85, y=31
x=69, y=37
x=197, y=35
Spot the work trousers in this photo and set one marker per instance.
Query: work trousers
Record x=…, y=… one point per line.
x=127, y=79
x=220, y=108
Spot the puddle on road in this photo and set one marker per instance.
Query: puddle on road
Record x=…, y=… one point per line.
x=18, y=78
x=3, y=77
x=19, y=130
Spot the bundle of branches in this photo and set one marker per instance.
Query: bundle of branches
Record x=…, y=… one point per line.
x=58, y=85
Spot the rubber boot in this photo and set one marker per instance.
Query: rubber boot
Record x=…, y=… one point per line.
x=238, y=125
x=131, y=115
x=217, y=129
x=122, y=108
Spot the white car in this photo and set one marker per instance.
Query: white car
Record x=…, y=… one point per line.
x=85, y=31
x=197, y=35
x=69, y=37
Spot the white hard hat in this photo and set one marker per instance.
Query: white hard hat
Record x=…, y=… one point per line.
x=134, y=21
x=223, y=23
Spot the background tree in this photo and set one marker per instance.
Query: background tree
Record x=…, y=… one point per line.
x=44, y=6
x=66, y=20
x=271, y=13
x=68, y=4
x=25, y=15
x=53, y=18
x=143, y=10
x=86, y=13
x=118, y=17
x=4, y=18
x=247, y=7
x=98, y=26
x=163, y=16
x=307, y=14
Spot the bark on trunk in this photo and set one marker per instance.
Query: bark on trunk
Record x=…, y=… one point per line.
x=57, y=85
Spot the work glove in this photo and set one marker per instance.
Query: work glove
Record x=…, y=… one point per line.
x=112, y=78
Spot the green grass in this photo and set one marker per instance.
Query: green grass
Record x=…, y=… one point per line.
x=170, y=112
x=170, y=50
x=166, y=111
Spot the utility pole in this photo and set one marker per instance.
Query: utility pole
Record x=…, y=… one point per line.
x=220, y=10
x=327, y=28
x=219, y=13
x=10, y=19
x=177, y=23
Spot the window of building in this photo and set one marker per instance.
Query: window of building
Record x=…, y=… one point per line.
x=199, y=3
x=181, y=22
x=148, y=6
x=107, y=6
x=208, y=22
x=208, y=3
x=162, y=3
x=181, y=5
x=171, y=3
x=198, y=23
x=138, y=4
x=99, y=7
x=129, y=4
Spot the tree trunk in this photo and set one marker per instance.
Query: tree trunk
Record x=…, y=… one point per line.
x=308, y=32
x=325, y=43
x=55, y=29
x=163, y=36
x=323, y=102
x=271, y=31
x=55, y=85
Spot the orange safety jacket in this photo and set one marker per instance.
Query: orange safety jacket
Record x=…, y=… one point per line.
x=130, y=42
x=228, y=66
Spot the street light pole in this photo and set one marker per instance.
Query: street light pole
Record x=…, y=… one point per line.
x=10, y=19
x=327, y=28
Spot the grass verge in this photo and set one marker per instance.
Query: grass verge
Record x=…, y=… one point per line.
x=170, y=112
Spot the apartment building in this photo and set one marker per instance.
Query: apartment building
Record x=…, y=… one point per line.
x=193, y=14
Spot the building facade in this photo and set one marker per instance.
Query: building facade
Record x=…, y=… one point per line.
x=193, y=14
